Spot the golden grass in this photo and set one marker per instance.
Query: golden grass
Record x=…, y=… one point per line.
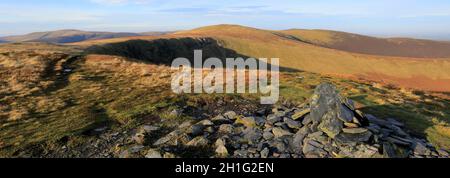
x=319, y=37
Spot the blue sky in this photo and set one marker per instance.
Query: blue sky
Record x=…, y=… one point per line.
x=409, y=18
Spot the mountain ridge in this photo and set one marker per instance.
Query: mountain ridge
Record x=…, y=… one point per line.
x=398, y=46
x=71, y=36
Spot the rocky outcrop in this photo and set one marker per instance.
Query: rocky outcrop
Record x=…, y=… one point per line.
x=328, y=126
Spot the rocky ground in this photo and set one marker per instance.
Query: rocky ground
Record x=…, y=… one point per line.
x=328, y=126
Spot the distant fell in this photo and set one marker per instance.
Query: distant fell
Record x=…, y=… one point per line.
x=399, y=47
x=71, y=36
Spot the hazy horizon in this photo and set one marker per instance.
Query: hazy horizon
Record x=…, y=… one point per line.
x=384, y=18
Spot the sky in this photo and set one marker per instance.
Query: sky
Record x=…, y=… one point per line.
x=385, y=18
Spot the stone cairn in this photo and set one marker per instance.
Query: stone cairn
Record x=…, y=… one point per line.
x=328, y=126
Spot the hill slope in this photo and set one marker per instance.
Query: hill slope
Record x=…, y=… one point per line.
x=65, y=36
x=419, y=73
x=429, y=74
x=401, y=47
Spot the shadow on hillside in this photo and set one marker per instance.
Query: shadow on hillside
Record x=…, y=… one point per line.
x=417, y=121
x=164, y=51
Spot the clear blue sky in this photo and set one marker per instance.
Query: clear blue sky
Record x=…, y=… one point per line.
x=412, y=18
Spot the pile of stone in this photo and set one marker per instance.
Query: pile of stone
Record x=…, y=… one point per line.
x=329, y=126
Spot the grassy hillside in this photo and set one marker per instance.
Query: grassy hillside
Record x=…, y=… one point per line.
x=401, y=47
x=430, y=74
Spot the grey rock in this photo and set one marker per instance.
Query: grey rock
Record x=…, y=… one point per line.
x=307, y=120
x=292, y=124
x=169, y=155
x=265, y=153
x=331, y=125
x=374, y=128
x=196, y=130
x=149, y=128
x=365, y=151
x=354, y=130
x=153, y=153
x=230, y=115
x=345, y=114
x=395, y=122
x=324, y=100
x=259, y=121
x=170, y=138
x=240, y=153
x=297, y=142
x=124, y=154
x=220, y=119
x=279, y=132
x=351, y=125
x=421, y=149
x=398, y=131
x=380, y=122
x=136, y=148
x=185, y=124
x=280, y=146
x=206, y=122
x=346, y=138
x=398, y=141
x=301, y=114
x=348, y=103
x=310, y=146
x=221, y=150
x=199, y=141
x=389, y=151
x=268, y=135
x=443, y=153
x=138, y=138
x=272, y=119
x=226, y=129
x=252, y=135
